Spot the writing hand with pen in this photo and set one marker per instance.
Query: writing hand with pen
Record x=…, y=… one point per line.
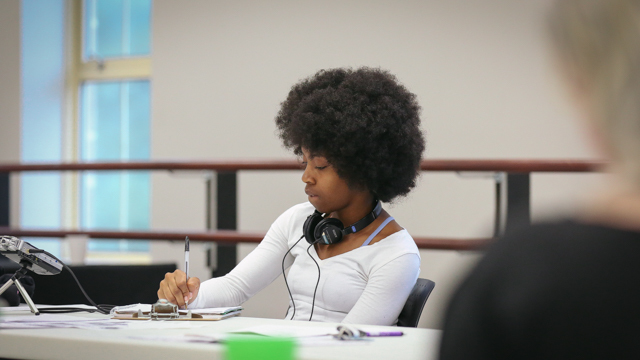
x=177, y=289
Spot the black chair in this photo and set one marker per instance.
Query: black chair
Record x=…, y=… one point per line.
x=410, y=314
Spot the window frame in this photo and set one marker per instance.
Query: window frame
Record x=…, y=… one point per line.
x=79, y=71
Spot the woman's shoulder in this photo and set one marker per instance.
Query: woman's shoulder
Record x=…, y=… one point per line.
x=304, y=207
x=395, y=245
x=397, y=249
x=292, y=219
x=298, y=211
x=401, y=237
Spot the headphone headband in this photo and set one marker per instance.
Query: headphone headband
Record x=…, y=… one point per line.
x=365, y=221
x=331, y=230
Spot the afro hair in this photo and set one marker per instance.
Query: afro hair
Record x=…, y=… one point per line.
x=363, y=121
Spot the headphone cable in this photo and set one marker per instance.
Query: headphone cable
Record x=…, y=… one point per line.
x=317, y=283
x=285, y=277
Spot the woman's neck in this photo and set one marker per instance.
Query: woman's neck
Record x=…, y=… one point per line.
x=355, y=211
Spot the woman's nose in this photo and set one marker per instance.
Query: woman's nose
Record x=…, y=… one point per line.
x=306, y=176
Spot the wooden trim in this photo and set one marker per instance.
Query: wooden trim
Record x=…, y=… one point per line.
x=71, y=128
x=223, y=236
x=116, y=69
x=452, y=244
x=159, y=165
x=228, y=165
x=229, y=236
x=529, y=165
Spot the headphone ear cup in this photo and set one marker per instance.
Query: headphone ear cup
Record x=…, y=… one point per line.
x=329, y=231
x=310, y=225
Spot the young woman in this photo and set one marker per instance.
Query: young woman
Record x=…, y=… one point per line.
x=358, y=133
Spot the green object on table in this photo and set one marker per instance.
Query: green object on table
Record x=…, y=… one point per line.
x=245, y=347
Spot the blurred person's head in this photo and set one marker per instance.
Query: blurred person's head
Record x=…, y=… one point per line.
x=598, y=47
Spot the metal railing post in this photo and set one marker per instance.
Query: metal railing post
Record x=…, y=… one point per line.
x=5, y=202
x=500, y=193
x=227, y=219
x=518, y=201
x=210, y=247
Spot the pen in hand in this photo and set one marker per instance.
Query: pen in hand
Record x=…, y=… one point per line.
x=186, y=266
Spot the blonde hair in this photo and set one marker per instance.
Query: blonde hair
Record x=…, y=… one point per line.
x=599, y=43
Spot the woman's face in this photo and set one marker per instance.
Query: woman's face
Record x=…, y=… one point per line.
x=327, y=191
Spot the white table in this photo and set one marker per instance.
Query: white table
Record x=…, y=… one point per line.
x=116, y=344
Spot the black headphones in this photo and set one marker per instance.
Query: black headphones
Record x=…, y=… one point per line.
x=331, y=231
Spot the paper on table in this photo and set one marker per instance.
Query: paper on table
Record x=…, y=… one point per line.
x=42, y=318
x=185, y=338
x=310, y=341
x=99, y=325
x=48, y=321
x=151, y=324
x=305, y=336
x=291, y=331
x=330, y=341
x=24, y=308
x=217, y=311
x=326, y=340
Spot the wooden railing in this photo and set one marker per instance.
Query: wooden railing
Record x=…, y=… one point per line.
x=225, y=237
x=513, y=166
x=512, y=188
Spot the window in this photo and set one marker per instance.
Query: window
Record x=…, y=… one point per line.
x=42, y=98
x=115, y=126
x=116, y=28
x=86, y=98
x=114, y=123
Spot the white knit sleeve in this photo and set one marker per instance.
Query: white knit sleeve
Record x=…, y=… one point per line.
x=259, y=269
x=386, y=292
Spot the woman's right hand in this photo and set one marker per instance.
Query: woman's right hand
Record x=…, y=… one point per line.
x=177, y=289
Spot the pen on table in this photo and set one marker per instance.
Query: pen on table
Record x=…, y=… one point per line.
x=186, y=265
x=346, y=332
x=383, y=333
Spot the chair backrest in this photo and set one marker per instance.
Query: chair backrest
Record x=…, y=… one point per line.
x=410, y=314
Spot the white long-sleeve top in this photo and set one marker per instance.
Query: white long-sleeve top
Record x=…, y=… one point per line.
x=367, y=285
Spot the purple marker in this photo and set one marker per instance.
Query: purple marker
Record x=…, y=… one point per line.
x=346, y=332
x=384, y=333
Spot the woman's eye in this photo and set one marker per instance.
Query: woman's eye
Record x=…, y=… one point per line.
x=321, y=167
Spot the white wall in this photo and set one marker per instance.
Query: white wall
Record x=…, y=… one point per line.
x=10, y=80
x=481, y=71
x=10, y=94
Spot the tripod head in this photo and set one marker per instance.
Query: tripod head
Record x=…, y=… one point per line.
x=40, y=262
x=29, y=257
